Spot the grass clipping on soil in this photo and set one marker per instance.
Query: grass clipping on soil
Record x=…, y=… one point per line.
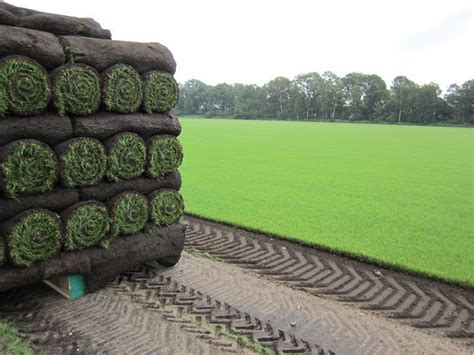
x=166, y=206
x=122, y=89
x=85, y=225
x=25, y=88
x=129, y=213
x=76, y=89
x=34, y=235
x=83, y=162
x=27, y=166
x=165, y=154
x=126, y=157
x=161, y=92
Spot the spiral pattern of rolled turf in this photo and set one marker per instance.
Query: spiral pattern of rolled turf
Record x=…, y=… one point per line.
x=82, y=162
x=26, y=167
x=129, y=213
x=126, y=156
x=122, y=89
x=76, y=89
x=160, y=91
x=25, y=88
x=165, y=154
x=33, y=235
x=166, y=207
x=85, y=224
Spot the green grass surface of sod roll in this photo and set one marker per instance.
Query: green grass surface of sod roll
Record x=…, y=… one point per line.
x=85, y=224
x=394, y=194
x=122, y=89
x=129, y=213
x=27, y=166
x=166, y=207
x=33, y=236
x=160, y=91
x=165, y=154
x=76, y=89
x=25, y=88
x=11, y=341
x=126, y=156
x=83, y=162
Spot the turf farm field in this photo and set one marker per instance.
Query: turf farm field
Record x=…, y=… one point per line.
x=400, y=195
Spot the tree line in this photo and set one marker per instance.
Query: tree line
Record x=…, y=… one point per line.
x=311, y=96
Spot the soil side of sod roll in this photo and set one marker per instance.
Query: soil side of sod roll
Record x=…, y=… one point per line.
x=25, y=86
x=27, y=166
x=41, y=46
x=32, y=236
x=128, y=212
x=85, y=224
x=106, y=190
x=76, y=89
x=2, y=252
x=55, y=200
x=102, y=54
x=104, y=125
x=160, y=92
x=126, y=156
x=100, y=265
x=49, y=128
x=53, y=23
x=164, y=154
x=122, y=89
x=166, y=207
x=82, y=162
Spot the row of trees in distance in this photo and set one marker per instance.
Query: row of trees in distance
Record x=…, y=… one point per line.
x=354, y=97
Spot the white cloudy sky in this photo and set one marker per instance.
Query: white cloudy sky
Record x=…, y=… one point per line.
x=253, y=41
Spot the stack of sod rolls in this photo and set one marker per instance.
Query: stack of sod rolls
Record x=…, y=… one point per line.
x=89, y=153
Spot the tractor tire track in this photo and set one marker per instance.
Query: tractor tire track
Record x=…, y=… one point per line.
x=433, y=306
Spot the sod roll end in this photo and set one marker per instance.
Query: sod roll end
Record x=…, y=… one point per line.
x=165, y=155
x=126, y=156
x=85, y=224
x=166, y=207
x=129, y=213
x=122, y=89
x=32, y=236
x=25, y=88
x=161, y=92
x=82, y=162
x=76, y=89
x=27, y=166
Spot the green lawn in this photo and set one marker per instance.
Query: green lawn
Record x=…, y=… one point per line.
x=402, y=195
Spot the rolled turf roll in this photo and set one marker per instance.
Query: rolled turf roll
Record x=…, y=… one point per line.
x=76, y=89
x=82, y=161
x=128, y=212
x=2, y=252
x=27, y=166
x=32, y=236
x=41, y=46
x=104, y=125
x=166, y=207
x=84, y=225
x=160, y=92
x=165, y=155
x=122, y=89
x=3, y=95
x=26, y=89
x=49, y=128
x=126, y=156
x=102, y=54
x=106, y=190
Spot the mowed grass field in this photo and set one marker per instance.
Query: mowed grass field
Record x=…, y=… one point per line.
x=401, y=195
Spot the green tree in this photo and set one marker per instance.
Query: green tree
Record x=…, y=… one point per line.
x=277, y=97
x=307, y=89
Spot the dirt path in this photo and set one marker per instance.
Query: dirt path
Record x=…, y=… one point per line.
x=257, y=299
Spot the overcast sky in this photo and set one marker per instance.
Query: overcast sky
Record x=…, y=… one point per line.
x=254, y=41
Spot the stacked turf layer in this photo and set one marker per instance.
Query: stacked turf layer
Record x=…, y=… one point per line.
x=88, y=149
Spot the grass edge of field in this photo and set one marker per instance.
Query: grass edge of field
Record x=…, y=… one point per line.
x=11, y=341
x=341, y=252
